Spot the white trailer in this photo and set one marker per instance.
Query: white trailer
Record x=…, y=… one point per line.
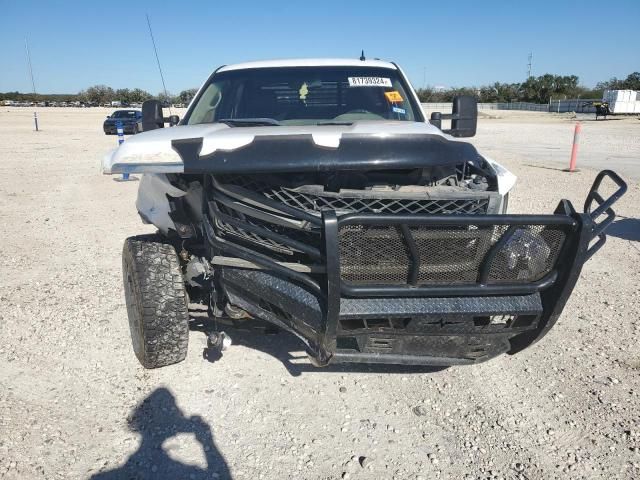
x=622, y=101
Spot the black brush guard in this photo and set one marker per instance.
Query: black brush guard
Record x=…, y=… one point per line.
x=406, y=289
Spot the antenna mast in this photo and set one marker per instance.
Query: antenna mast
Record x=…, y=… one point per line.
x=158, y=61
x=529, y=65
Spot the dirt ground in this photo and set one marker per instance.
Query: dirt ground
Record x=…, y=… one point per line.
x=75, y=403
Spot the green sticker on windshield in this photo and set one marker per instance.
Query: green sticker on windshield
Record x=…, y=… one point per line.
x=304, y=91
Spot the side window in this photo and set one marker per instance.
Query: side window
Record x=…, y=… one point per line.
x=400, y=109
x=205, y=110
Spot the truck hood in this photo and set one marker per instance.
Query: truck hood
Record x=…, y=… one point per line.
x=219, y=148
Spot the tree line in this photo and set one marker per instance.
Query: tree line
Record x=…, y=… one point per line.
x=540, y=89
x=101, y=94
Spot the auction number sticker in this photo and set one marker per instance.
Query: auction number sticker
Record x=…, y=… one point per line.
x=369, y=82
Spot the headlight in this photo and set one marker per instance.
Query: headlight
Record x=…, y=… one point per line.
x=526, y=254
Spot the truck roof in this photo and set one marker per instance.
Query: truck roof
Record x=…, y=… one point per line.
x=309, y=62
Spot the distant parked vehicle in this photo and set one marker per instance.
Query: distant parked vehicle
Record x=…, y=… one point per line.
x=128, y=118
x=616, y=102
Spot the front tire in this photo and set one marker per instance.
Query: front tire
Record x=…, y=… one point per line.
x=156, y=298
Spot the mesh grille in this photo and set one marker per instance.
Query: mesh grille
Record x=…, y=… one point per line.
x=319, y=201
x=448, y=254
x=373, y=255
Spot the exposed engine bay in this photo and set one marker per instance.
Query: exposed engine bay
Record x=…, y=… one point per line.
x=447, y=189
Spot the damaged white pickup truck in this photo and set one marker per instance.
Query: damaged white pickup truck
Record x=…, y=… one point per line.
x=315, y=195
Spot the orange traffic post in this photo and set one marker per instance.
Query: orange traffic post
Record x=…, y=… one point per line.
x=574, y=148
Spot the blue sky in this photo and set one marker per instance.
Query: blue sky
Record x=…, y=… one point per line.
x=75, y=44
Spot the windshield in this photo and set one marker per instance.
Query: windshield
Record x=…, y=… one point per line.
x=125, y=114
x=304, y=96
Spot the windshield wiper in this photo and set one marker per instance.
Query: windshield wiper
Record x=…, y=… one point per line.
x=250, y=122
x=334, y=122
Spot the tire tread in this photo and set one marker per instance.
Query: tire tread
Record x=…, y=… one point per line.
x=157, y=302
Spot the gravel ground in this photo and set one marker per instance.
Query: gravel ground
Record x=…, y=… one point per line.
x=74, y=402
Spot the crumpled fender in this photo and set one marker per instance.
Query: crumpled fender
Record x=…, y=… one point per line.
x=506, y=179
x=152, y=203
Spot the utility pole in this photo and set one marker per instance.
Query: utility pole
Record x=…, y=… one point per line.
x=529, y=65
x=33, y=83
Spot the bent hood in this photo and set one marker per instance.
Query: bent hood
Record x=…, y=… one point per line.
x=218, y=148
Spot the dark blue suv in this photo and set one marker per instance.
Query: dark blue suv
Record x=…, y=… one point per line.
x=128, y=118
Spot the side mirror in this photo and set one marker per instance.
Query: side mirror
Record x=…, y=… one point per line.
x=464, y=117
x=436, y=120
x=108, y=116
x=152, y=117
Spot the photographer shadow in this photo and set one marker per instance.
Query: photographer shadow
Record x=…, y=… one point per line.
x=157, y=418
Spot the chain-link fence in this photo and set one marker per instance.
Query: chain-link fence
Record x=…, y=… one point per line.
x=578, y=105
x=528, y=106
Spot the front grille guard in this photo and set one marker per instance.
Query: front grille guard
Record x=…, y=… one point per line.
x=580, y=230
x=483, y=284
